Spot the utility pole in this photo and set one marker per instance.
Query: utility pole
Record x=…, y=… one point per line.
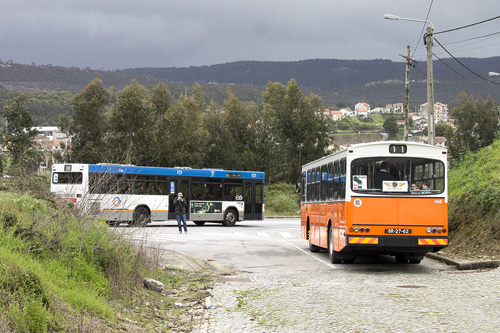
x=407, y=91
x=430, y=88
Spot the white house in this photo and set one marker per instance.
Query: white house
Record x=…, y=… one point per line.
x=362, y=109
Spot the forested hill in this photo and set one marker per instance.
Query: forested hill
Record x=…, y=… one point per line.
x=323, y=74
x=349, y=81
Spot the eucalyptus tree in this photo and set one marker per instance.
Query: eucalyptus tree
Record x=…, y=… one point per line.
x=131, y=123
x=185, y=137
x=476, y=124
x=217, y=141
x=18, y=136
x=299, y=129
x=240, y=120
x=88, y=124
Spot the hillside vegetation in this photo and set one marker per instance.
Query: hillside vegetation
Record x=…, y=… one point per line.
x=60, y=272
x=474, y=204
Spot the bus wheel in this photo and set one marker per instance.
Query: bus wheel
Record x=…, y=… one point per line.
x=141, y=217
x=332, y=255
x=230, y=218
x=199, y=222
x=113, y=223
x=312, y=247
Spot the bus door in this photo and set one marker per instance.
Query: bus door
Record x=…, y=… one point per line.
x=253, y=201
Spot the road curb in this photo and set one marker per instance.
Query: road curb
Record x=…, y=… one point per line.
x=465, y=265
x=282, y=217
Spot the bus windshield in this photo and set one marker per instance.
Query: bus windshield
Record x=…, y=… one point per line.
x=397, y=175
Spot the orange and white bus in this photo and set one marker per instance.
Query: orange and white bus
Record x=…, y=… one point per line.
x=384, y=197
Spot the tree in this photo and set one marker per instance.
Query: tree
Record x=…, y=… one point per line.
x=184, y=134
x=299, y=131
x=475, y=123
x=161, y=99
x=217, y=137
x=131, y=122
x=19, y=135
x=88, y=124
x=239, y=122
x=390, y=126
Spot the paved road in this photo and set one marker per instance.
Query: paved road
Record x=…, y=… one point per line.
x=254, y=246
x=279, y=286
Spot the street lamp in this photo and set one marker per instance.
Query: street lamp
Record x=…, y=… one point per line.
x=430, y=80
x=493, y=74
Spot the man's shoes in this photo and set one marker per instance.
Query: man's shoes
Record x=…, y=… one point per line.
x=180, y=231
x=186, y=232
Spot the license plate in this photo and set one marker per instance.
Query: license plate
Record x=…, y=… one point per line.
x=398, y=231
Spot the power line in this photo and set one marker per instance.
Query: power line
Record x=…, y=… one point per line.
x=470, y=70
x=473, y=38
x=444, y=63
x=423, y=29
x=467, y=26
x=459, y=49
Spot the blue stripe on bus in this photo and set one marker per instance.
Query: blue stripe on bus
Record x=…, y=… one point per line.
x=142, y=170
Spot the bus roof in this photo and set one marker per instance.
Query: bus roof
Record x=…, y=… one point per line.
x=207, y=173
x=382, y=148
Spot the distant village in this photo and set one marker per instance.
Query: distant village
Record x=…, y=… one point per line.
x=420, y=118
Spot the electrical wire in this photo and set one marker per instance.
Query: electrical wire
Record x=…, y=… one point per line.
x=473, y=38
x=423, y=29
x=467, y=26
x=459, y=49
x=451, y=55
x=444, y=63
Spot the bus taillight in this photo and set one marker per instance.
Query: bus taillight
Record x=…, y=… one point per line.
x=361, y=229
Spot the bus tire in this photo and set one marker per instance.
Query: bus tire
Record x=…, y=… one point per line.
x=141, y=217
x=312, y=247
x=332, y=254
x=230, y=218
x=199, y=222
x=113, y=223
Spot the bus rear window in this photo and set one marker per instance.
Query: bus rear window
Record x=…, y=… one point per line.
x=66, y=178
x=388, y=175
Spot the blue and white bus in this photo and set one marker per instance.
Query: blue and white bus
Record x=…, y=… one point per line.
x=138, y=195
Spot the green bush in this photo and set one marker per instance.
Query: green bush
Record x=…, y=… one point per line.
x=281, y=199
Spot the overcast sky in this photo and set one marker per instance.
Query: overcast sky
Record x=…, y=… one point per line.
x=117, y=34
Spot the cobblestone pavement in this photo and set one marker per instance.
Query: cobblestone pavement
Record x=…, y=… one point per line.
x=357, y=298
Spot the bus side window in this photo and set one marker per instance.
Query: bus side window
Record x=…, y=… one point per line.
x=336, y=180
x=303, y=187
x=324, y=182
x=329, y=192
x=309, y=185
x=318, y=184
x=196, y=190
x=162, y=188
x=342, y=179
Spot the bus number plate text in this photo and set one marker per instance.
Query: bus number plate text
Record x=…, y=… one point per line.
x=398, y=231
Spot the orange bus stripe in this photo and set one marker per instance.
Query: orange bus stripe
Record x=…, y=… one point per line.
x=432, y=241
x=363, y=240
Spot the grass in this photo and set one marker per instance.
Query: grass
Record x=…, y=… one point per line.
x=62, y=272
x=474, y=204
